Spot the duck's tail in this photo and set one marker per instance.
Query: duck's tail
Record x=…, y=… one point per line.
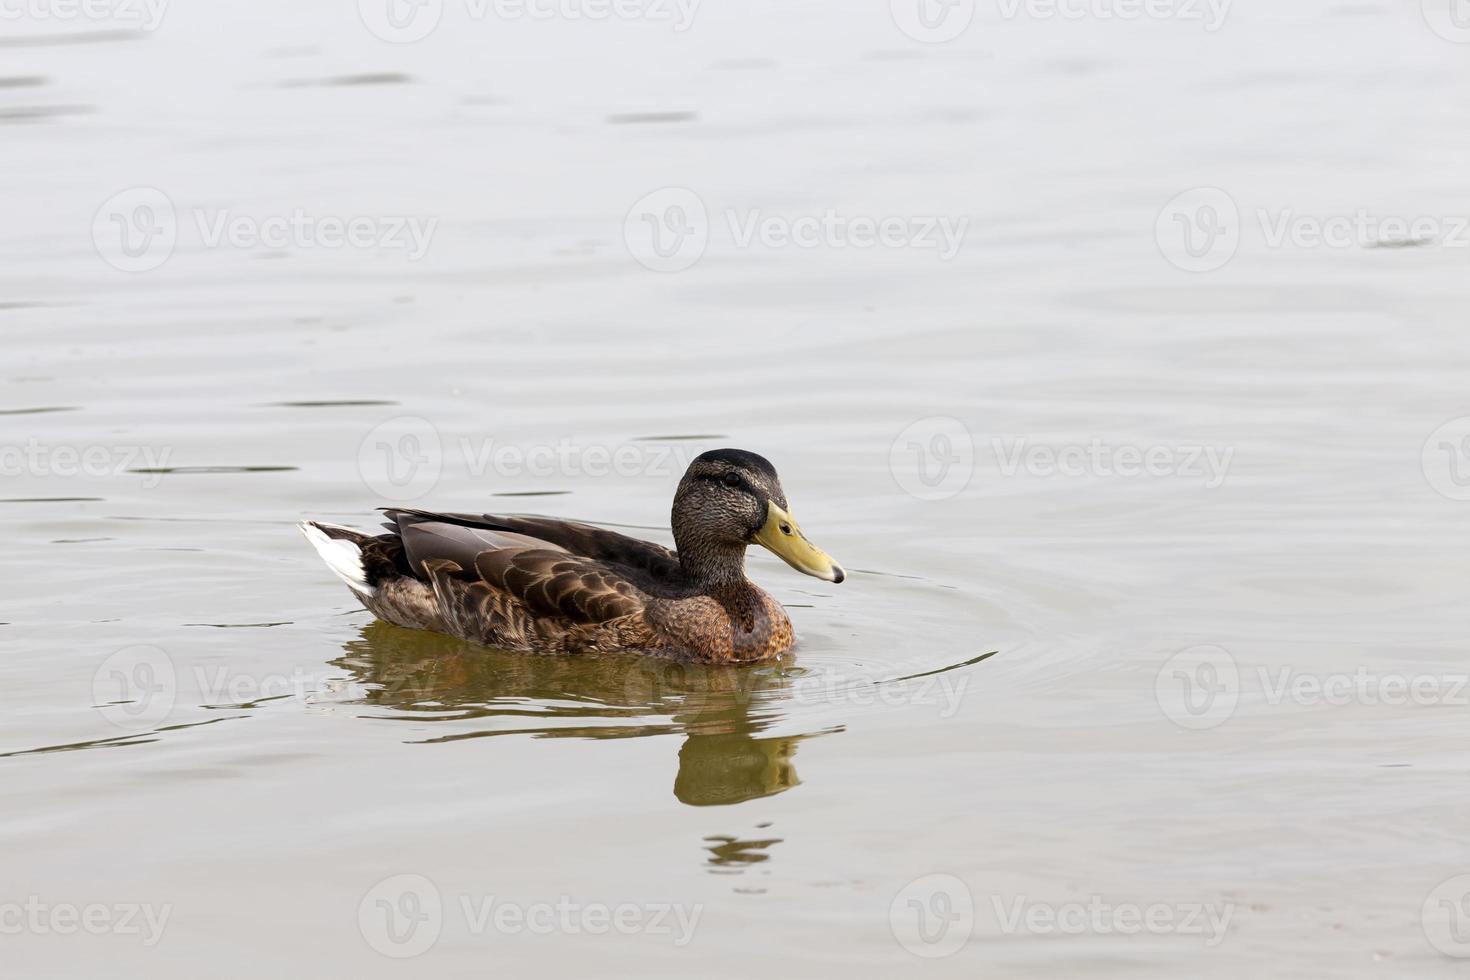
x=341, y=548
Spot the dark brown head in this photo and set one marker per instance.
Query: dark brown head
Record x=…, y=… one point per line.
x=730, y=499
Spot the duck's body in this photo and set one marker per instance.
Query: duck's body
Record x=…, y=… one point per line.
x=550, y=586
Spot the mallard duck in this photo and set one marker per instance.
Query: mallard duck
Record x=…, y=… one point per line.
x=550, y=586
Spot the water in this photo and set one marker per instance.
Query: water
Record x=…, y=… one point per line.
x=1073, y=693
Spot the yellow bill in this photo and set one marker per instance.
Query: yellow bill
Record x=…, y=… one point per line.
x=782, y=536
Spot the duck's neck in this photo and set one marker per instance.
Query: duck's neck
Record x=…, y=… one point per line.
x=712, y=566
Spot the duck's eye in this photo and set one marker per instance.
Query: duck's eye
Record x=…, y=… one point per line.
x=785, y=528
x=732, y=479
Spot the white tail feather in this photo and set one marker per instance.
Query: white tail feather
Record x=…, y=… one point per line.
x=343, y=557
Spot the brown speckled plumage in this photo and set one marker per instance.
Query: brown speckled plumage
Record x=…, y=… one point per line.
x=549, y=586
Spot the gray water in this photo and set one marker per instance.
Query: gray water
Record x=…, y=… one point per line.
x=1150, y=660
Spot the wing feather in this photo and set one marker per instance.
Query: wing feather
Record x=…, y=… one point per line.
x=554, y=533
x=554, y=583
x=539, y=562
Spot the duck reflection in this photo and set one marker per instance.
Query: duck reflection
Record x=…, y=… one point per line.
x=720, y=711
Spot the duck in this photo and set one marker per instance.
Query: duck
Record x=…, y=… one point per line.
x=544, y=585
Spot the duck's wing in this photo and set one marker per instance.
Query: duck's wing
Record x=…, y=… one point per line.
x=572, y=537
x=541, y=577
x=555, y=583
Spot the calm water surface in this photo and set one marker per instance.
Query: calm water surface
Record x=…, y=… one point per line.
x=1057, y=688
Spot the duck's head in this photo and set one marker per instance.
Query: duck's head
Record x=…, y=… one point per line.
x=730, y=499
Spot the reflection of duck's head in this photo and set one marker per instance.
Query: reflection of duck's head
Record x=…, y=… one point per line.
x=716, y=770
x=478, y=692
